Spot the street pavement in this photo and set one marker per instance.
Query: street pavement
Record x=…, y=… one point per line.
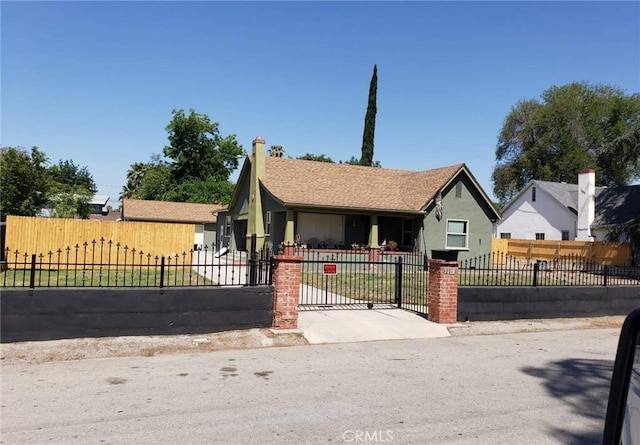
x=528, y=388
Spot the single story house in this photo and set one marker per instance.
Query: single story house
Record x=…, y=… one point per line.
x=335, y=206
x=203, y=216
x=560, y=211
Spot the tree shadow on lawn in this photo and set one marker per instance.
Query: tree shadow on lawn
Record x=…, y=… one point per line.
x=582, y=384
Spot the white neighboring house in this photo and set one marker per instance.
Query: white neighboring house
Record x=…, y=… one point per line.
x=560, y=211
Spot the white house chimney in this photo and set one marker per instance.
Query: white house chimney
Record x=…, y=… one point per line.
x=586, y=203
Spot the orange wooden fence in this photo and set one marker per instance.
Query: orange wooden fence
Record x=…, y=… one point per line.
x=29, y=235
x=598, y=252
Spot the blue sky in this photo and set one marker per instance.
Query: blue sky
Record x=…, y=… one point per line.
x=95, y=82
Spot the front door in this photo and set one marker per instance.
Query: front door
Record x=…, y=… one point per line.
x=240, y=234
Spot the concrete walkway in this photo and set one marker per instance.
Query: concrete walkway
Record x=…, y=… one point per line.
x=333, y=325
x=343, y=326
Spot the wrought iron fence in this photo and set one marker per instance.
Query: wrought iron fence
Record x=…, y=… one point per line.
x=499, y=269
x=361, y=279
x=104, y=263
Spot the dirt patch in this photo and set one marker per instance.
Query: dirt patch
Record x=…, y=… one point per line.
x=84, y=348
x=516, y=326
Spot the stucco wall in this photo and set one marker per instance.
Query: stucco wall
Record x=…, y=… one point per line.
x=524, y=218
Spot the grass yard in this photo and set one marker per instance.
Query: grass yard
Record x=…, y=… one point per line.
x=377, y=287
x=545, y=278
x=104, y=277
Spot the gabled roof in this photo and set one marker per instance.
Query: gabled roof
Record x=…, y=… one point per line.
x=617, y=205
x=564, y=194
x=165, y=211
x=302, y=183
x=99, y=199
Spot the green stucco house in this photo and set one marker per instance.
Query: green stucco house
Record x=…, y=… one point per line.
x=334, y=206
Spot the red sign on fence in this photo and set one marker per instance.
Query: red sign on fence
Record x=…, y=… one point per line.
x=330, y=269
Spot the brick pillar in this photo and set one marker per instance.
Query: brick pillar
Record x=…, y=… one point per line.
x=374, y=257
x=442, y=299
x=286, y=295
x=289, y=250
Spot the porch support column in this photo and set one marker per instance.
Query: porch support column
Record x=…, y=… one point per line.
x=289, y=236
x=255, y=224
x=373, y=232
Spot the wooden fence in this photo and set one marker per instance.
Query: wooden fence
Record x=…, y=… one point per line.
x=40, y=236
x=597, y=252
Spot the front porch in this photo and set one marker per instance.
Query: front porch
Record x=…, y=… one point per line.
x=351, y=232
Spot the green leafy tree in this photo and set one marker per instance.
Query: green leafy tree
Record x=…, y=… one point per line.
x=198, y=164
x=628, y=232
x=149, y=181
x=370, y=121
x=68, y=174
x=69, y=203
x=318, y=158
x=71, y=189
x=355, y=161
x=575, y=126
x=201, y=191
x=276, y=151
x=197, y=150
x=23, y=182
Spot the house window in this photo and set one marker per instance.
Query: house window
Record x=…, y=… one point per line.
x=539, y=236
x=267, y=230
x=533, y=194
x=459, y=190
x=407, y=233
x=505, y=235
x=227, y=226
x=565, y=235
x=457, y=234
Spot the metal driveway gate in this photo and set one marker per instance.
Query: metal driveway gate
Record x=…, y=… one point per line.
x=350, y=280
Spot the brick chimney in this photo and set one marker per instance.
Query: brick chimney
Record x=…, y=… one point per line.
x=255, y=225
x=586, y=203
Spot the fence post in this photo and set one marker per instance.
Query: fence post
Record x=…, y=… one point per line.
x=606, y=275
x=442, y=299
x=32, y=278
x=536, y=267
x=252, y=261
x=287, y=272
x=399, y=282
x=161, y=272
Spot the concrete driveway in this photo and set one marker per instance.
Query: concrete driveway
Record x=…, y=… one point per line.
x=330, y=326
x=343, y=326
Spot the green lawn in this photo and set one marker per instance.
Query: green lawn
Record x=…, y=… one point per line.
x=371, y=286
x=121, y=277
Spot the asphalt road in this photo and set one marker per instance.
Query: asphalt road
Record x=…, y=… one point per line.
x=530, y=388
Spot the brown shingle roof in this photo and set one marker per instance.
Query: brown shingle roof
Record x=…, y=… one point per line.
x=142, y=210
x=322, y=184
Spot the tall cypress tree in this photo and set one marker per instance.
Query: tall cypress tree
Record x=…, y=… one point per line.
x=370, y=121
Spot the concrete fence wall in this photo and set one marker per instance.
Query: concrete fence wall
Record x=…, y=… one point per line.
x=512, y=303
x=46, y=314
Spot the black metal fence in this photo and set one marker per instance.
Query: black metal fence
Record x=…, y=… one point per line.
x=499, y=269
x=357, y=279
x=104, y=263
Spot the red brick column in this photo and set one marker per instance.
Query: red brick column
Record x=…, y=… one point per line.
x=374, y=257
x=286, y=295
x=442, y=299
